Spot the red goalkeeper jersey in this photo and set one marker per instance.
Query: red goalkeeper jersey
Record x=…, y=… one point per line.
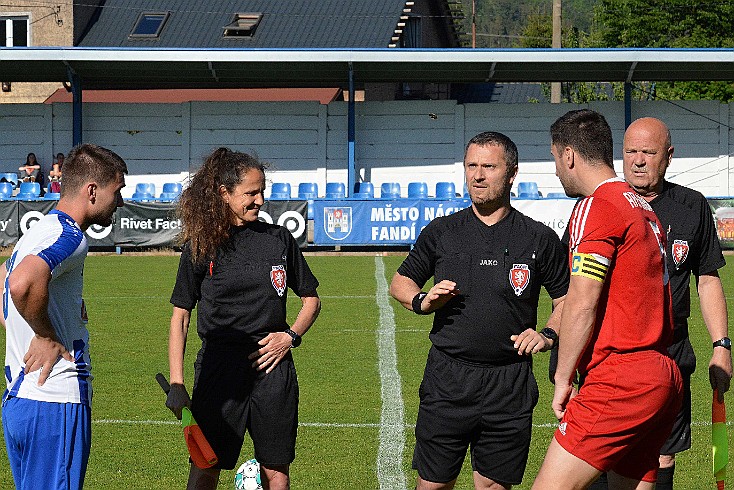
x=616, y=238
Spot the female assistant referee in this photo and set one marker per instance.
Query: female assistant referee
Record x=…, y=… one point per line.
x=236, y=270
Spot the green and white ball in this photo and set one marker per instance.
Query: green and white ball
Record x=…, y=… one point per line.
x=248, y=476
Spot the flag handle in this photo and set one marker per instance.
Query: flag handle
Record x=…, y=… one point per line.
x=719, y=440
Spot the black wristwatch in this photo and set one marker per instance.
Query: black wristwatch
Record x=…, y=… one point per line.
x=550, y=334
x=417, y=300
x=725, y=343
x=295, y=338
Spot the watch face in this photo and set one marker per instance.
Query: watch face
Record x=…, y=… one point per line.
x=725, y=342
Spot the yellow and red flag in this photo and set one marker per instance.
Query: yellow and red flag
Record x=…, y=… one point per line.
x=719, y=440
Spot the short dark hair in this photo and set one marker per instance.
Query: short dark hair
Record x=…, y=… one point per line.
x=492, y=138
x=587, y=132
x=90, y=162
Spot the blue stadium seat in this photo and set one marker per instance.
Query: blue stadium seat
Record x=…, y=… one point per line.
x=417, y=190
x=6, y=190
x=445, y=190
x=557, y=195
x=144, y=191
x=11, y=177
x=390, y=190
x=308, y=190
x=171, y=191
x=29, y=191
x=52, y=196
x=280, y=190
x=365, y=190
x=528, y=190
x=335, y=190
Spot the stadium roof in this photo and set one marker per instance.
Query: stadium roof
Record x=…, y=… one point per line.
x=283, y=23
x=141, y=68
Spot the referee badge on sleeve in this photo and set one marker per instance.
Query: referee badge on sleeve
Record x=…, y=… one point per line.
x=519, y=278
x=278, y=278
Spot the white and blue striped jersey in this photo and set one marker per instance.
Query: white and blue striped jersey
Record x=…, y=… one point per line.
x=58, y=240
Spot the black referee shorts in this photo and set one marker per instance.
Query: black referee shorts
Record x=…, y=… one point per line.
x=680, y=437
x=230, y=397
x=465, y=405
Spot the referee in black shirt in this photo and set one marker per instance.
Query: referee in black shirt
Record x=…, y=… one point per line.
x=236, y=271
x=488, y=262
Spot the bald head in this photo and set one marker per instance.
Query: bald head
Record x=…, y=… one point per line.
x=647, y=153
x=651, y=126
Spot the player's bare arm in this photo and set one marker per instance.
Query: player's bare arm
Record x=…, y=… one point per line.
x=276, y=345
x=178, y=397
x=577, y=325
x=3, y=273
x=531, y=341
x=28, y=286
x=404, y=290
x=715, y=316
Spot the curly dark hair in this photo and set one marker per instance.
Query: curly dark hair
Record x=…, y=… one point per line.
x=205, y=217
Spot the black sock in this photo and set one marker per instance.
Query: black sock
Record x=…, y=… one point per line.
x=665, y=478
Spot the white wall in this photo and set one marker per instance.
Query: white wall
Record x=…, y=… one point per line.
x=401, y=141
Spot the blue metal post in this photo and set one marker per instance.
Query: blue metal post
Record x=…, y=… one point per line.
x=627, y=104
x=76, y=92
x=351, y=171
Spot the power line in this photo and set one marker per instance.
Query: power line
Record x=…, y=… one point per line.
x=655, y=96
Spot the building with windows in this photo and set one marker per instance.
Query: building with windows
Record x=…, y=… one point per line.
x=43, y=23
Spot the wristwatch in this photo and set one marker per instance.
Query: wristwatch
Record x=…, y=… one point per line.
x=295, y=338
x=725, y=343
x=550, y=334
x=417, y=300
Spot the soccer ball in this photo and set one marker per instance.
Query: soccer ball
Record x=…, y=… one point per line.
x=248, y=476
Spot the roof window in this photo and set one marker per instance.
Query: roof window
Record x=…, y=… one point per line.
x=149, y=25
x=243, y=25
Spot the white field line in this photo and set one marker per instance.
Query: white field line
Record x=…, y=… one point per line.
x=390, y=474
x=330, y=425
x=158, y=296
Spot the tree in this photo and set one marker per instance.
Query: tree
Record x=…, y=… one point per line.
x=501, y=23
x=671, y=24
x=538, y=33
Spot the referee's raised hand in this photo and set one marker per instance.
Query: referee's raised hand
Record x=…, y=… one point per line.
x=439, y=295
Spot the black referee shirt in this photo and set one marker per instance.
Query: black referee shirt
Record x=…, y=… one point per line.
x=693, y=246
x=241, y=294
x=499, y=270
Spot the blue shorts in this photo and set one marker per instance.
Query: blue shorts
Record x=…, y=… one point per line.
x=48, y=443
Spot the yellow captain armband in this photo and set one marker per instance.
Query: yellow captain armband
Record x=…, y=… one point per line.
x=590, y=265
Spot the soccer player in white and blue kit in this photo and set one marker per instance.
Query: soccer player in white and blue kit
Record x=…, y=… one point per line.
x=46, y=411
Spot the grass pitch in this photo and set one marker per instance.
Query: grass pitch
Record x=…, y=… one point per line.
x=138, y=445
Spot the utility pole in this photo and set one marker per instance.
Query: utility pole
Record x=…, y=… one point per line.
x=473, y=23
x=556, y=86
